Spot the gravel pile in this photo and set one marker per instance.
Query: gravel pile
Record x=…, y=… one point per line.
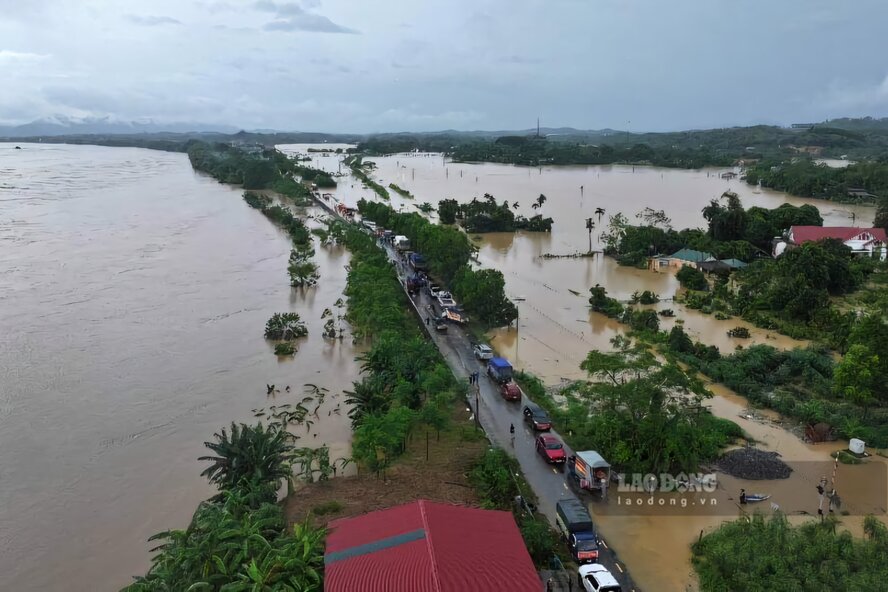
x=752, y=463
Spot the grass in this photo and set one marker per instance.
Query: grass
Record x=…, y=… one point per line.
x=331, y=507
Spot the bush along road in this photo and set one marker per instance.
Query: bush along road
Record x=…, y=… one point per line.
x=496, y=415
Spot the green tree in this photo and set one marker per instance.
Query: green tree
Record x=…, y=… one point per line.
x=856, y=377
x=483, y=292
x=644, y=415
x=448, y=209
x=252, y=454
x=691, y=278
x=881, y=219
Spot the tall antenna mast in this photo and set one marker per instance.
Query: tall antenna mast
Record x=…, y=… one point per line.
x=538, y=127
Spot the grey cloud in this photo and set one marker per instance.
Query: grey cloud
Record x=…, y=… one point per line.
x=279, y=8
x=314, y=23
x=153, y=21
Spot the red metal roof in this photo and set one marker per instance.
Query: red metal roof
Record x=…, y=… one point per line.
x=427, y=546
x=803, y=234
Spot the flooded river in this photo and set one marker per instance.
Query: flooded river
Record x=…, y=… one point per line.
x=133, y=298
x=556, y=329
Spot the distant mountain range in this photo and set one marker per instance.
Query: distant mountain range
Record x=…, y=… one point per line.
x=66, y=126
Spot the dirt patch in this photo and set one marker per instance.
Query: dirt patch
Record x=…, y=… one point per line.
x=753, y=464
x=443, y=477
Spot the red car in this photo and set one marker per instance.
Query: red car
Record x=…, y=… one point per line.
x=510, y=391
x=550, y=448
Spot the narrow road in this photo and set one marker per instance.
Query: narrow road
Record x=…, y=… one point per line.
x=497, y=414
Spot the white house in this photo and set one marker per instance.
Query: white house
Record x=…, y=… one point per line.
x=862, y=241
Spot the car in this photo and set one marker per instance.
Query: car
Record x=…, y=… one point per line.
x=440, y=325
x=433, y=290
x=551, y=449
x=594, y=577
x=482, y=352
x=510, y=391
x=536, y=418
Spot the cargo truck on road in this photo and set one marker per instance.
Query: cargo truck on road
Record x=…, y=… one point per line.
x=577, y=528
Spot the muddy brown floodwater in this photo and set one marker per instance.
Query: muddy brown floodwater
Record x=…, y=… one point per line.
x=556, y=329
x=133, y=298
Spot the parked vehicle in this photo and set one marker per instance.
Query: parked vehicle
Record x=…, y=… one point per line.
x=596, y=578
x=499, y=370
x=445, y=299
x=588, y=469
x=440, y=325
x=510, y=391
x=577, y=528
x=402, y=243
x=418, y=262
x=551, y=449
x=536, y=417
x=434, y=289
x=369, y=225
x=482, y=352
x=454, y=316
x=414, y=283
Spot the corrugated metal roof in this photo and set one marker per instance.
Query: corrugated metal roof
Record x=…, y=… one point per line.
x=802, y=234
x=463, y=549
x=691, y=255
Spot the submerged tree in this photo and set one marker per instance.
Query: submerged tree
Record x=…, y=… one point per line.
x=286, y=326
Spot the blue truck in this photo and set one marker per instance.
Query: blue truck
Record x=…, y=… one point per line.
x=499, y=370
x=578, y=530
x=418, y=262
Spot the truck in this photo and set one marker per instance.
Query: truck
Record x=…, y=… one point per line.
x=418, y=262
x=414, y=283
x=499, y=370
x=578, y=530
x=402, y=243
x=445, y=299
x=588, y=469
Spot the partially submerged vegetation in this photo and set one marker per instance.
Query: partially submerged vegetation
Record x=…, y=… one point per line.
x=858, y=182
x=485, y=215
x=357, y=166
x=401, y=191
x=254, y=169
x=769, y=553
x=639, y=413
x=448, y=252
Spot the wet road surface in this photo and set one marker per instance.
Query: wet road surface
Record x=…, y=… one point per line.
x=497, y=415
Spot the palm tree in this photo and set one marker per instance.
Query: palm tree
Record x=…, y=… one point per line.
x=249, y=454
x=599, y=212
x=540, y=200
x=515, y=205
x=590, y=225
x=369, y=397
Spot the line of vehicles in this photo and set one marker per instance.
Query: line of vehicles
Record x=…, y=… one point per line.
x=586, y=470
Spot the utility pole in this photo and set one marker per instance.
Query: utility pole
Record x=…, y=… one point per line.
x=538, y=127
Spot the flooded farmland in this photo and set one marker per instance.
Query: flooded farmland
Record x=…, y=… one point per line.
x=133, y=298
x=556, y=328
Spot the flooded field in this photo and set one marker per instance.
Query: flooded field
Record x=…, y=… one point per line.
x=556, y=329
x=133, y=299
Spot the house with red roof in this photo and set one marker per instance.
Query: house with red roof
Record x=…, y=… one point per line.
x=427, y=546
x=862, y=241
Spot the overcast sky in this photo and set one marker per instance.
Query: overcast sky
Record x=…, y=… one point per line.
x=391, y=65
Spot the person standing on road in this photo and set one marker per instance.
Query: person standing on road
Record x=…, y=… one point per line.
x=512, y=434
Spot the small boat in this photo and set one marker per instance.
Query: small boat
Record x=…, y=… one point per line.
x=757, y=497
